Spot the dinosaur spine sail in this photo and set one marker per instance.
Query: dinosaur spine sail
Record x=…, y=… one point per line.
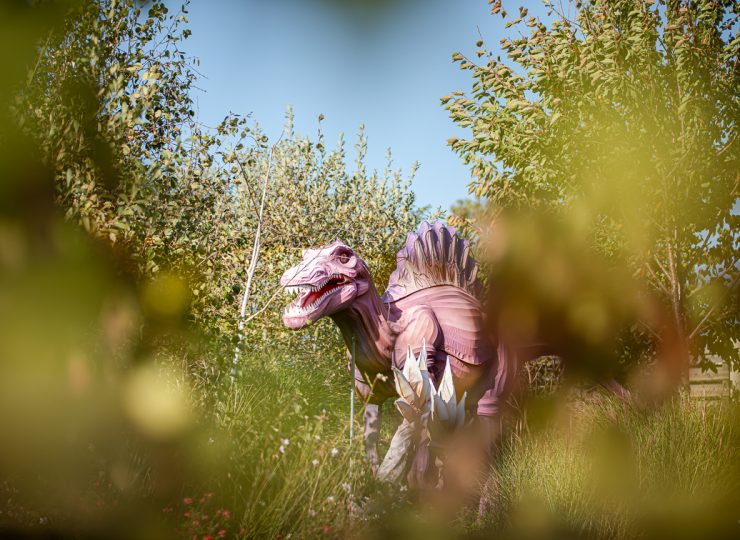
x=433, y=255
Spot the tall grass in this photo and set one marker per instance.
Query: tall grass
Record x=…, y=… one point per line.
x=605, y=470
x=276, y=463
x=276, y=447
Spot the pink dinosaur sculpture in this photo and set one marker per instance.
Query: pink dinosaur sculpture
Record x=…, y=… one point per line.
x=432, y=298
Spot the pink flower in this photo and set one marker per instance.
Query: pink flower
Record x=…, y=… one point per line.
x=327, y=529
x=226, y=514
x=196, y=523
x=187, y=500
x=222, y=533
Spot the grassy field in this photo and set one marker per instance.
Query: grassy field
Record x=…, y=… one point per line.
x=602, y=470
x=280, y=466
x=269, y=457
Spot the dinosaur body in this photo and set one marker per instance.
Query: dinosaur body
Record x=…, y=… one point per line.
x=432, y=298
x=447, y=320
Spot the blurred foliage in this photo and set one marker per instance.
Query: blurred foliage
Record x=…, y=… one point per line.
x=599, y=469
x=108, y=102
x=125, y=226
x=124, y=231
x=621, y=117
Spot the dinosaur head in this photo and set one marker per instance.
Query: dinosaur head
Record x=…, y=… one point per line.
x=326, y=281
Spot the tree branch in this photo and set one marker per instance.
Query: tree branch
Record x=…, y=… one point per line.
x=252, y=262
x=709, y=312
x=659, y=283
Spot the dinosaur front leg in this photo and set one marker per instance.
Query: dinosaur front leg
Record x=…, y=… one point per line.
x=372, y=417
x=423, y=336
x=372, y=398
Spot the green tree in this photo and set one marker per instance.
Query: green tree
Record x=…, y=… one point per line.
x=313, y=198
x=108, y=102
x=623, y=117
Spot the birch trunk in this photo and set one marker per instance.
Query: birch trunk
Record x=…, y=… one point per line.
x=252, y=267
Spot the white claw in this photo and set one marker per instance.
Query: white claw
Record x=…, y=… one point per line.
x=448, y=414
x=413, y=386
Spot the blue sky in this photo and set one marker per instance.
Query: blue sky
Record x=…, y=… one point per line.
x=386, y=68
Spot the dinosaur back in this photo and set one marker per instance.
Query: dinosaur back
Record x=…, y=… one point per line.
x=433, y=255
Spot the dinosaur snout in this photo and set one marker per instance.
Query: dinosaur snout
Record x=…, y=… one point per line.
x=288, y=276
x=301, y=275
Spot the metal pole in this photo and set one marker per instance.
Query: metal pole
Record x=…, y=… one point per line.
x=352, y=395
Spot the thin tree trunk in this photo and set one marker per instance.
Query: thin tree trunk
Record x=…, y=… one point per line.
x=252, y=267
x=679, y=348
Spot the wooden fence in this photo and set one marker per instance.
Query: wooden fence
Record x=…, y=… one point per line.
x=710, y=384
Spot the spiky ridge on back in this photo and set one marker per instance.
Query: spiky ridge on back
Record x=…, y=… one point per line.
x=433, y=255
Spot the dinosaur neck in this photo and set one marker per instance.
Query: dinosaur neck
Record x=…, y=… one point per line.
x=365, y=322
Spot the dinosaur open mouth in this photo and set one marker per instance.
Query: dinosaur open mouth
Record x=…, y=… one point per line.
x=311, y=296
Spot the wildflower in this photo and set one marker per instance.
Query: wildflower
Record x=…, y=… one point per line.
x=330, y=499
x=327, y=529
x=196, y=523
x=226, y=514
x=283, y=445
x=187, y=500
x=208, y=537
x=311, y=512
x=334, y=452
x=186, y=514
x=346, y=487
x=222, y=533
x=315, y=462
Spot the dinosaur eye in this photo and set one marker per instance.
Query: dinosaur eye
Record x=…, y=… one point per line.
x=344, y=258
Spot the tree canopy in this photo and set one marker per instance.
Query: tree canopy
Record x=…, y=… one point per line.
x=621, y=115
x=109, y=104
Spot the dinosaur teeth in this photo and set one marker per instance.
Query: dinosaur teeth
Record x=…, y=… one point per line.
x=313, y=287
x=295, y=309
x=292, y=290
